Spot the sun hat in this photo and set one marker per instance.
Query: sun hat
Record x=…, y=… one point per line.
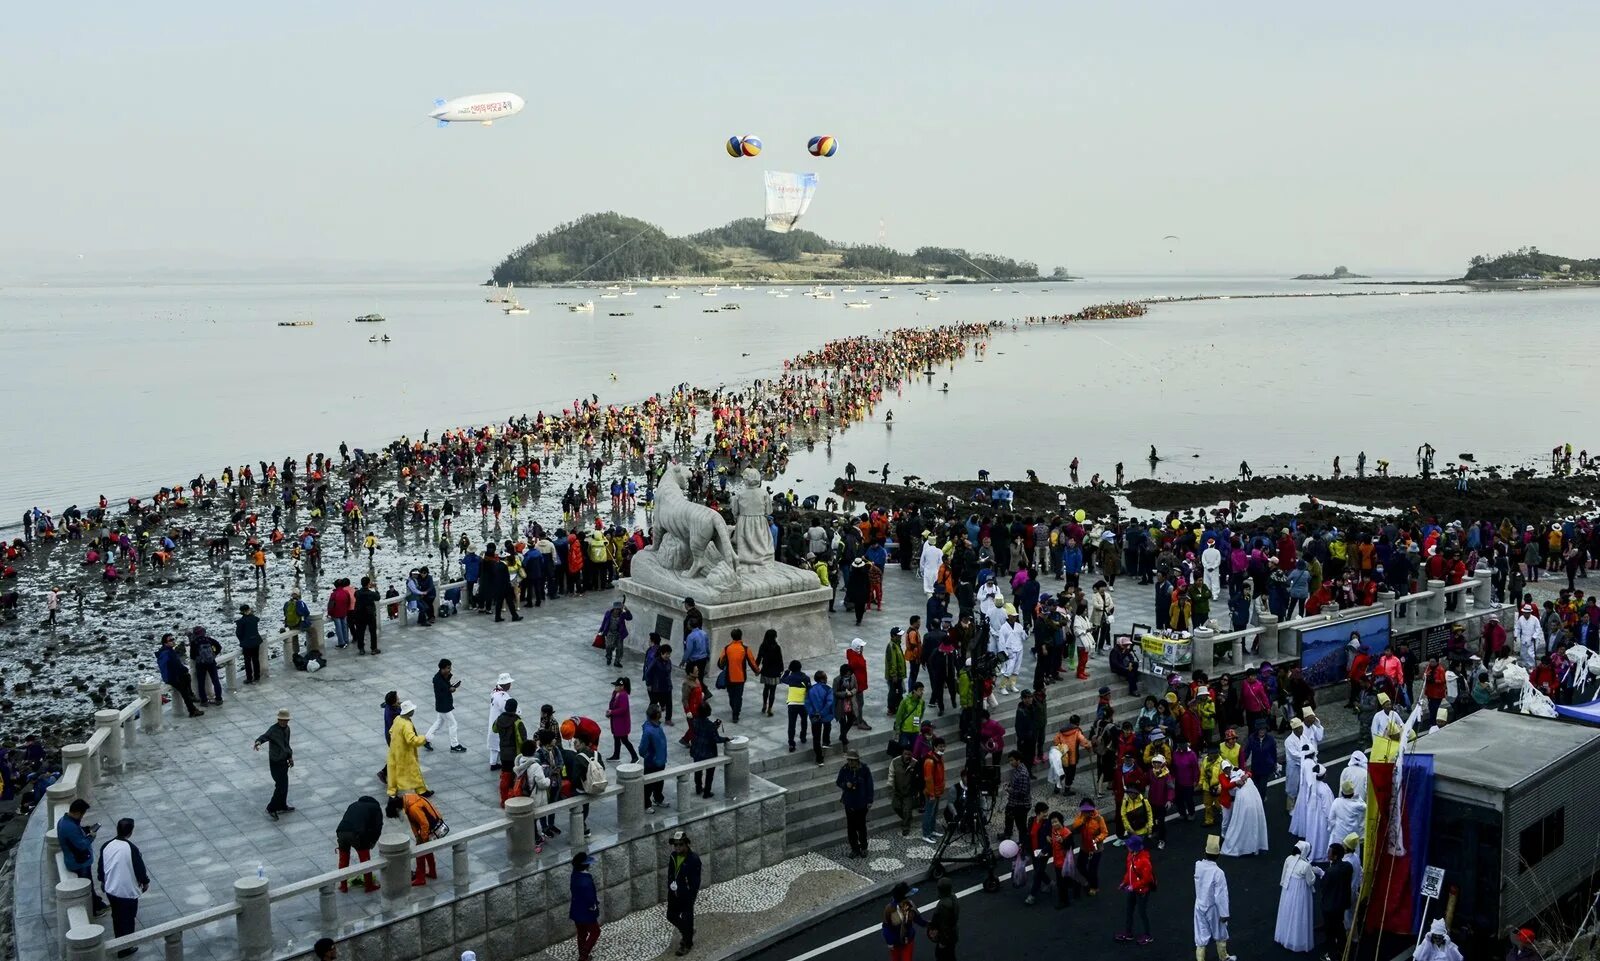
x=407, y=708
x=503, y=679
x=283, y=714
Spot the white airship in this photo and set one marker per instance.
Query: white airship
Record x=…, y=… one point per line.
x=484, y=108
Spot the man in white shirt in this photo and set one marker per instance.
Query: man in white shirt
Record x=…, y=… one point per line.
x=1386, y=715
x=123, y=878
x=1530, y=636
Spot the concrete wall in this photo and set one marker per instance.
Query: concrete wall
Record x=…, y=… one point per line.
x=517, y=916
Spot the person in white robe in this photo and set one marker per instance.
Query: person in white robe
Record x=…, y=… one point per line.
x=1316, y=798
x=1295, y=749
x=1355, y=774
x=1295, y=929
x=929, y=563
x=1211, y=903
x=1211, y=563
x=1246, y=830
x=1347, y=814
x=497, y=707
x=1437, y=946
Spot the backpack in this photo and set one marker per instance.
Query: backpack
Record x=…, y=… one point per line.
x=594, y=776
x=437, y=826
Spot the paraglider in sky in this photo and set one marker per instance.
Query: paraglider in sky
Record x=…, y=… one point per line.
x=747, y=146
x=823, y=146
x=484, y=108
x=1171, y=237
x=788, y=196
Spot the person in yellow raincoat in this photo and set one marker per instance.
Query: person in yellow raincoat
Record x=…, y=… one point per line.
x=405, y=770
x=1211, y=781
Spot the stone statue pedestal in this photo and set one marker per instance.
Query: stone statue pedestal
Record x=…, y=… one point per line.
x=799, y=617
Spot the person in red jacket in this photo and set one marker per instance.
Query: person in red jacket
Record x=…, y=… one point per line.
x=856, y=658
x=1433, y=686
x=1138, y=880
x=341, y=601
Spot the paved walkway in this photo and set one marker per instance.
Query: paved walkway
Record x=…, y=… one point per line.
x=198, y=791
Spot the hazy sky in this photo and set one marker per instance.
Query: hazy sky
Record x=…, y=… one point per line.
x=1272, y=137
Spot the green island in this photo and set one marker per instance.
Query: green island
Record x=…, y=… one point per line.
x=1339, y=273
x=611, y=247
x=1531, y=264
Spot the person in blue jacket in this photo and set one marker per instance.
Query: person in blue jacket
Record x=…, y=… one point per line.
x=855, y=793
x=77, y=845
x=176, y=674
x=533, y=576
x=585, y=910
x=697, y=650
x=471, y=564
x=653, y=752
x=819, y=707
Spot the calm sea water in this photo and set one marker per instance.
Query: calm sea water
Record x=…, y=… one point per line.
x=119, y=389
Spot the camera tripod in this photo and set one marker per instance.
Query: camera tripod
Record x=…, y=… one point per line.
x=968, y=821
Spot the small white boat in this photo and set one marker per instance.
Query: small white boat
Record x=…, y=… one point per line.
x=730, y=306
x=614, y=287
x=629, y=292
x=994, y=290
x=847, y=290
x=373, y=339
x=386, y=338
x=674, y=297
x=782, y=296
x=587, y=307
x=516, y=309
x=608, y=296
x=296, y=323
x=858, y=304
x=820, y=293
x=930, y=295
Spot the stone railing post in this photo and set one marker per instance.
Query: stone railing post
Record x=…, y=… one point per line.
x=72, y=892
x=396, y=850
x=1202, y=653
x=737, y=784
x=1436, y=602
x=1268, y=646
x=52, y=847
x=110, y=722
x=254, y=920
x=291, y=649
x=575, y=829
x=681, y=791
x=630, y=803
x=79, y=754
x=150, y=714
x=316, y=632
x=87, y=943
x=230, y=672
x=1482, y=589
x=1386, y=601
x=130, y=733
x=522, y=813
x=460, y=865
x=172, y=947
x=328, y=904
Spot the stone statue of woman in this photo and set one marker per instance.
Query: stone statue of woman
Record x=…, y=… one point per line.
x=752, y=534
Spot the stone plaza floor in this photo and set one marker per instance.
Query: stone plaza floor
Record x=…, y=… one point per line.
x=198, y=791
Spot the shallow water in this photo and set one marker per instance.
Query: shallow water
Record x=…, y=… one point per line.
x=119, y=389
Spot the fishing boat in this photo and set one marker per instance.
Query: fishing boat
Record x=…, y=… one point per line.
x=587, y=307
x=620, y=313
x=370, y=319
x=674, y=296
x=820, y=293
x=373, y=339
x=730, y=306
x=608, y=296
x=709, y=310
x=386, y=338
x=516, y=307
x=296, y=323
x=500, y=295
x=858, y=304
x=629, y=292
x=847, y=290
x=930, y=295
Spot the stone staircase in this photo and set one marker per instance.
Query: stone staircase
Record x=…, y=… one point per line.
x=812, y=813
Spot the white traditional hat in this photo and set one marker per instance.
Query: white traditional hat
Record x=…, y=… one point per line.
x=407, y=708
x=1213, y=845
x=504, y=679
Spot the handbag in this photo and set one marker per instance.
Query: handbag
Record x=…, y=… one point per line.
x=722, y=680
x=599, y=640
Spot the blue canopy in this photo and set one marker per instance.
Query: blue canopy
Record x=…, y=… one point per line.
x=1589, y=712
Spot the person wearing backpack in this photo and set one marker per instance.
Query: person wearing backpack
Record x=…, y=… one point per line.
x=296, y=614
x=426, y=823
x=203, y=651
x=510, y=733
x=585, y=773
x=341, y=601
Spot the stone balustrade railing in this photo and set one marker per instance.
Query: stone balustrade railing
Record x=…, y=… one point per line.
x=251, y=908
